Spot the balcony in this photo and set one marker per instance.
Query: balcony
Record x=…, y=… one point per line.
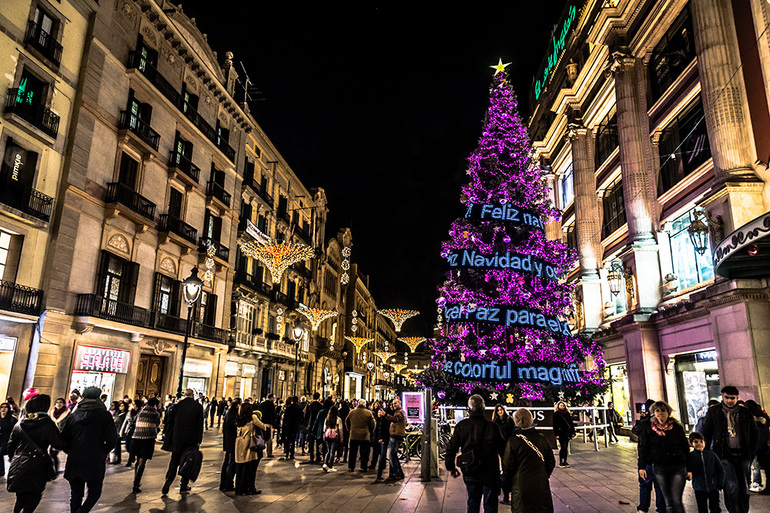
x=137, y=61
x=189, y=172
x=253, y=282
x=38, y=115
x=117, y=193
x=131, y=122
x=302, y=270
x=214, y=191
x=91, y=305
x=176, y=227
x=280, y=297
x=245, y=225
x=210, y=333
x=283, y=215
x=170, y=323
x=20, y=299
x=302, y=234
x=43, y=42
x=222, y=253
x=28, y=201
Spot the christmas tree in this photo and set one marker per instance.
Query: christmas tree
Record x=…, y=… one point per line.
x=504, y=309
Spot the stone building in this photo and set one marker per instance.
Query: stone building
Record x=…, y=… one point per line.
x=652, y=116
x=41, y=43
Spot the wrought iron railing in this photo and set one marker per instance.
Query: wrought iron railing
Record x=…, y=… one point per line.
x=219, y=192
x=169, y=223
x=132, y=122
x=167, y=322
x=43, y=42
x=185, y=165
x=20, y=299
x=21, y=103
x=119, y=193
x=304, y=235
x=27, y=200
x=222, y=252
x=206, y=332
x=138, y=61
x=104, y=308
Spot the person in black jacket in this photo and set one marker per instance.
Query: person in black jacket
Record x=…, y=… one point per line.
x=221, y=407
x=292, y=419
x=29, y=470
x=184, y=431
x=731, y=433
x=663, y=443
x=89, y=435
x=382, y=434
x=314, y=444
x=7, y=421
x=480, y=436
x=267, y=407
x=564, y=430
x=229, y=433
x=507, y=427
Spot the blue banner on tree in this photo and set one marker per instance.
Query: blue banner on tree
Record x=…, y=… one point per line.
x=523, y=264
x=505, y=372
x=509, y=214
x=515, y=316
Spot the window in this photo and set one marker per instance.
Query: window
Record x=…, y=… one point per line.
x=606, y=137
x=117, y=278
x=571, y=236
x=246, y=323
x=41, y=35
x=614, y=208
x=128, y=171
x=182, y=150
x=672, y=55
x=683, y=147
x=330, y=283
x=223, y=134
x=190, y=101
x=262, y=223
x=567, y=187
x=206, y=309
x=212, y=226
x=31, y=90
x=139, y=111
x=148, y=58
x=9, y=253
x=167, y=295
x=175, y=203
x=690, y=267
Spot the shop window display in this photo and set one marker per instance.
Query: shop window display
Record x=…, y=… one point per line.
x=697, y=379
x=690, y=267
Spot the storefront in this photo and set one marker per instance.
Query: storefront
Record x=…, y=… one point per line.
x=197, y=374
x=100, y=367
x=247, y=380
x=354, y=385
x=7, y=352
x=231, y=373
x=697, y=381
x=617, y=377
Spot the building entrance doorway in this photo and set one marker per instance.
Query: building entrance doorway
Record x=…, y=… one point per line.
x=149, y=376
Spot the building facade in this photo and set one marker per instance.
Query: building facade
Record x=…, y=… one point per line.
x=652, y=118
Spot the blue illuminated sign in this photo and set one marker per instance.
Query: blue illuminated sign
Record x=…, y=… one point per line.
x=523, y=264
x=549, y=373
x=507, y=315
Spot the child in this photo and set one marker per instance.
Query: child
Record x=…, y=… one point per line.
x=708, y=475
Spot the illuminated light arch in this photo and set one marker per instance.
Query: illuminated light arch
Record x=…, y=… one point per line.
x=398, y=316
x=316, y=315
x=384, y=355
x=398, y=367
x=277, y=256
x=359, y=342
x=412, y=342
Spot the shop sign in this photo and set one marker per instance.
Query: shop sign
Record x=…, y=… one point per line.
x=413, y=405
x=197, y=369
x=101, y=359
x=7, y=344
x=706, y=356
x=255, y=232
x=249, y=371
x=558, y=42
x=231, y=368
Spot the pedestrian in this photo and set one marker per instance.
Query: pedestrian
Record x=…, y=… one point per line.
x=212, y=411
x=229, y=434
x=146, y=427
x=313, y=443
x=708, y=474
x=613, y=422
x=89, y=435
x=528, y=463
x=564, y=430
x=344, y=407
x=13, y=406
x=762, y=459
x=267, y=407
x=506, y=426
x=383, y=436
x=481, y=445
x=360, y=423
x=58, y=414
x=28, y=447
x=184, y=431
x=221, y=407
x=206, y=404
x=397, y=433
x=663, y=444
x=7, y=421
x=292, y=418
x=730, y=431
x=247, y=455
x=702, y=419
x=332, y=437
x=647, y=484
x=119, y=417
x=319, y=427
x=374, y=441
x=74, y=398
x=129, y=426
x=278, y=419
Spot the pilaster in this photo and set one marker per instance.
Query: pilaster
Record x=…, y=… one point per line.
x=643, y=359
x=586, y=207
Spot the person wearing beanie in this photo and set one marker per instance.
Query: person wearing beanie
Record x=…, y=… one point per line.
x=528, y=462
x=730, y=431
x=28, y=472
x=89, y=435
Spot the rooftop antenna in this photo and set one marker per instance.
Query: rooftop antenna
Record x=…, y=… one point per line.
x=251, y=92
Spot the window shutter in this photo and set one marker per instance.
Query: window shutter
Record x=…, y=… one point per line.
x=102, y=273
x=127, y=292
x=211, y=310
x=156, y=292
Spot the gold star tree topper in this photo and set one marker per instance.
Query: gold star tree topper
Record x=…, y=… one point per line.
x=500, y=67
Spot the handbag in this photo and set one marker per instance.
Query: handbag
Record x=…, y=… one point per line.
x=256, y=440
x=470, y=461
x=331, y=434
x=45, y=458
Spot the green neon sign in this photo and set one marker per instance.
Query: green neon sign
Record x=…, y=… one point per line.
x=557, y=43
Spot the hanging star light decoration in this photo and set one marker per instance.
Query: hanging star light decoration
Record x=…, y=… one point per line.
x=345, y=277
x=316, y=315
x=412, y=342
x=500, y=67
x=398, y=367
x=359, y=342
x=384, y=355
x=398, y=316
x=277, y=256
x=208, y=276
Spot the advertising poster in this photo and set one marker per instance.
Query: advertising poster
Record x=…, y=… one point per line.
x=413, y=406
x=696, y=394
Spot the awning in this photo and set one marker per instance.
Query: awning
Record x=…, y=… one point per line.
x=745, y=253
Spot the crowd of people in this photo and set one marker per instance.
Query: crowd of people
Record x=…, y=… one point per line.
x=503, y=455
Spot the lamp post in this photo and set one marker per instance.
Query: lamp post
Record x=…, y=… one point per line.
x=370, y=368
x=298, y=333
x=615, y=278
x=699, y=232
x=191, y=287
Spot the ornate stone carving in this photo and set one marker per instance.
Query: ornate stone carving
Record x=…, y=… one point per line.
x=159, y=345
x=126, y=10
x=192, y=84
x=168, y=265
x=120, y=243
x=149, y=35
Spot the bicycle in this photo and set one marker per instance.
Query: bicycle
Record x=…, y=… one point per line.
x=412, y=444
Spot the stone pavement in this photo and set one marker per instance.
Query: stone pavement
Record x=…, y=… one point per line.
x=597, y=482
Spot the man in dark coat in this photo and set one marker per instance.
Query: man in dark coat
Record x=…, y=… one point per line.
x=292, y=418
x=89, y=435
x=482, y=437
x=730, y=431
x=185, y=427
x=314, y=444
x=267, y=407
x=527, y=465
x=360, y=423
x=229, y=434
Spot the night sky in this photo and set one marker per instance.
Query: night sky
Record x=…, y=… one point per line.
x=380, y=106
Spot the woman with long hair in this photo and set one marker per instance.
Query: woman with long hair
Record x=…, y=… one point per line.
x=564, y=430
x=246, y=455
x=58, y=414
x=7, y=421
x=504, y=423
x=146, y=427
x=663, y=444
x=333, y=436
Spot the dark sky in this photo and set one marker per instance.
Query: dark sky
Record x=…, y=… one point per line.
x=380, y=106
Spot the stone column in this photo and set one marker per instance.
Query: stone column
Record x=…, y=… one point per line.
x=646, y=374
x=760, y=10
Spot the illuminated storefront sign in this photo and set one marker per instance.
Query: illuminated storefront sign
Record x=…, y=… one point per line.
x=249, y=371
x=558, y=41
x=231, y=368
x=100, y=359
x=197, y=368
x=549, y=373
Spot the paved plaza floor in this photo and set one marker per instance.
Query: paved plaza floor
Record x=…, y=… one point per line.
x=602, y=481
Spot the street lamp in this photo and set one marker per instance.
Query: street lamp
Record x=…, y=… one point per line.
x=192, y=288
x=370, y=368
x=615, y=278
x=699, y=232
x=298, y=333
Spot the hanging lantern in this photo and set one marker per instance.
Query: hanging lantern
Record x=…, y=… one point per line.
x=615, y=278
x=699, y=232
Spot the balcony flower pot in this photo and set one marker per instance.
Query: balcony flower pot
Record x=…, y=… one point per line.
x=672, y=282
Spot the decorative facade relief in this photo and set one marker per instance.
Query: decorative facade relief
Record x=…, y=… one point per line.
x=120, y=243
x=149, y=35
x=168, y=265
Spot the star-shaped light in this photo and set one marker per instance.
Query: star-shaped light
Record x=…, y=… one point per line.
x=500, y=67
x=494, y=396
x=315, y=315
